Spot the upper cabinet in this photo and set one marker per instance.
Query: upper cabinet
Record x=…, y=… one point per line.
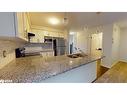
x=7, y=24
x=13, y=25
x=17, y=25
x=21, y=25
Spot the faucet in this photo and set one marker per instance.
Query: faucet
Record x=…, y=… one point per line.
x=79, y=50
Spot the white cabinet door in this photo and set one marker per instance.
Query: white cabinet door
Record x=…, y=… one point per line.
x=12, y=25
x=82, y=74
x=7, y=24
x=21, y=30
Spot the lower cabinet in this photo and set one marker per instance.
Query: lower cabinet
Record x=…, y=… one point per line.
x=82, y=74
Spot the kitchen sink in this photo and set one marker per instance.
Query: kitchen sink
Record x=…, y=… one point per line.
x=76, y=55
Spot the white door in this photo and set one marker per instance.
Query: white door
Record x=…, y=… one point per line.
x=96, y=44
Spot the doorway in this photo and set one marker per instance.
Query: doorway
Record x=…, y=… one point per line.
x=96, y=44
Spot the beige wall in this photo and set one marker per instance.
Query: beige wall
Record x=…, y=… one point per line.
x=115, y=43
x=107, y=47
x=123, y=45
x=82, y=41
x=79, y=40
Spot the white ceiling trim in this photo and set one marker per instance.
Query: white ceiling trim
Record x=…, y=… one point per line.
x=45, y=28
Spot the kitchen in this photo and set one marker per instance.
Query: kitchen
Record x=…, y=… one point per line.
x=57, y=47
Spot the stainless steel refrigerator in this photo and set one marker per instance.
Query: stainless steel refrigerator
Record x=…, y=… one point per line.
x=59, y=46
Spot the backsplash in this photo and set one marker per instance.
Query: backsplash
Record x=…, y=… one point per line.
x=5, y=60
x=37, y=47
x=9, y=52
x=43, y=45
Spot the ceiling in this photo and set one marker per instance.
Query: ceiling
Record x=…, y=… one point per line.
x=42, y=19
x=78, y=20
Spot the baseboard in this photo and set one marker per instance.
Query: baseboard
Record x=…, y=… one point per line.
x=111, y=65
x=115, y=63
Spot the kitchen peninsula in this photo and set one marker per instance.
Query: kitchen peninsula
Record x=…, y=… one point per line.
x=34, y=69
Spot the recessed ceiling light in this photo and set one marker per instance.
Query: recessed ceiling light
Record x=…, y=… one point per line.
x=54, y=21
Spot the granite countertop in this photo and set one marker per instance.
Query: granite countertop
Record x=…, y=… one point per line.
x=38, y=68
